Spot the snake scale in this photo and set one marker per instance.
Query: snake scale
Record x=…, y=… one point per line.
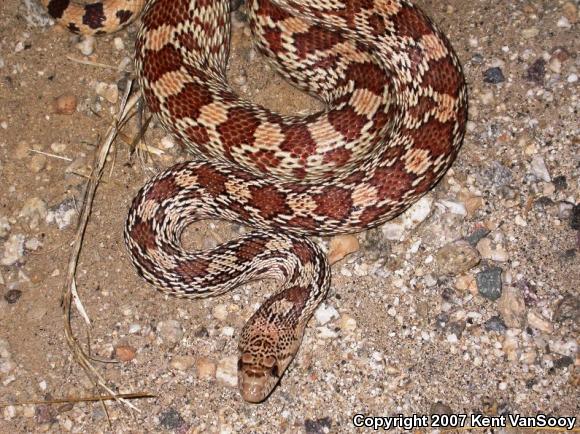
x=394, y=119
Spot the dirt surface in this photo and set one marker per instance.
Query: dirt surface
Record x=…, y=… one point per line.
x=414, y=323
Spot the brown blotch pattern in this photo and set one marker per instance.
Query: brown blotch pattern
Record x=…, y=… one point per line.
x=189, y=101
x=94, y=16
x=143, y=234
x=162, y=189
x=211, y=180
x=269, y=201
x=335, y=203
x=191, y=270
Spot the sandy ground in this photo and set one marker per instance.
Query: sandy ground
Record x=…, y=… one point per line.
x=414, y=323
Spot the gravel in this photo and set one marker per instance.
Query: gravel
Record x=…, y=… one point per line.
x=409, y=322
x=489, y=283
x=171, y=419
x=493, y=75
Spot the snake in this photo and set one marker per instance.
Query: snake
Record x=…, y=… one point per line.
x=394, y=116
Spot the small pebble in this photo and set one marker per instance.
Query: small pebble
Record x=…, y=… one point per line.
x=58, y=147
x=13, y=250
x=528, y=356
x=240, y=79
x=563, y=23
x=124, y=65
x=205, y=368
x=228, y=331
x=489, y=283
x=543, y=202
x=473, y=204
x=440, y=408
x=171, y=419
x=497, y=175
x=530, y=32
x=317, y=426
x=325, y=313
x=182, y=363
x=108, y=91
x=34, y=208
x=477, y=58
x=555, y=65
x=565, y=210
x=118, y=44
x=124, y=353
x=466, y=282
x=563, y=362
x=454, y=207
x=512, y=308
x=4, y=352
x=537, y=71
x=167, y=142
x=87, y=45
x=567, y=309
x=326, y=333
x=28, y=411
x=456, y=328
x=495, y=324
x=560, y=183
x=565, y=348
x=487, y=98
x=489, y=250
x=570, y=10
x=347, y=323
x=4, y=227
x=227, y=371
x=45, y=414
x=12, y=296
x=63, y=214
x=170, y=331
x=37, y=163
x=478, y=234
x=9, y=412
x=493, y=75
x=538, y=322
x=418, y=212
x=220, y=312
x=393, y=231
x=520, y=221
x=65, y=104
x=456, y=258
x=341, y=246
x=539, y=169
x=575, y=217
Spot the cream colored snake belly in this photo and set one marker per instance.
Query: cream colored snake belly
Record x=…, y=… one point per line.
x=396, y=108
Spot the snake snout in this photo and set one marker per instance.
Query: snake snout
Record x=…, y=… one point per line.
x=257, y=377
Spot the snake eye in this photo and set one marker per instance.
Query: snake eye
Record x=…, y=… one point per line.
x=274, y=371
x=270, y=362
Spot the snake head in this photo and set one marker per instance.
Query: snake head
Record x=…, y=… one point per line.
x=258, y=375
x=268, y=343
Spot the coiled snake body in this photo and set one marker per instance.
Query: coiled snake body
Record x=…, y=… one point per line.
x=396, y=108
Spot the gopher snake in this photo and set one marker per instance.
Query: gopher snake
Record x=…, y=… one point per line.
x=396, y=107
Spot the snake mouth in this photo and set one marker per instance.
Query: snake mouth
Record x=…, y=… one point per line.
x=256, y=382
x=254, y=392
